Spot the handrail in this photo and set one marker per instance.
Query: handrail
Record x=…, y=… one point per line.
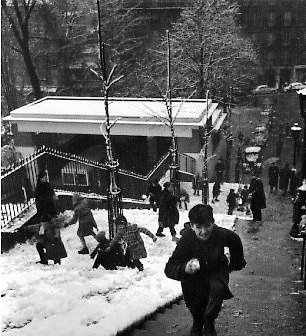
x=76, y=158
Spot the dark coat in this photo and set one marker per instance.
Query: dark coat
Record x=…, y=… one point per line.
x=168, y=214
x=196, y=182
x=50, y=239
x=273, y=175
x=154, y=191
x=284, y=177
x=214, y=264
x=258, y=200
x=216, y=189
x=45, y=199
x=83, y=213
x=231, y=199
x=131, y=235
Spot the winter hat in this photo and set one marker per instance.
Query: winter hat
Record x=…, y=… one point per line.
x=121, y=221
x=201, y=214
x=76, y=199
x=100, y=236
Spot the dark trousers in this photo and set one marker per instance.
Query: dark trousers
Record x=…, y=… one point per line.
x=230, y=209
x=42, y=254
x=204, y=302
x=256, y=212
x=196, y=192
x=171, y=228
x=185, y=204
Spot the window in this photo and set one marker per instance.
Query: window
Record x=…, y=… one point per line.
x=270, y=39
x=286, y=38
x=287, y=19
x=271, y=19
x=73, y=176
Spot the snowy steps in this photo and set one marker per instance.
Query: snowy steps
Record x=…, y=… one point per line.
x=165, y=321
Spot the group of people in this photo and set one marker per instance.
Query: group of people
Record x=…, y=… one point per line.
x=284, y=179
x=198, y=260
x=125, y=249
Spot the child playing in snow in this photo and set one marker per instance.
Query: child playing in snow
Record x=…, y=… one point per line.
x=245, y=199
x=130, y=233
x=184, y=198
x=49, y=243
x=109, y=260
x=231, y=201
x=87, y=222
x=216, y=191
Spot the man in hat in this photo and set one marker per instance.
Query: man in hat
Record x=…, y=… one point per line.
x=198, y=261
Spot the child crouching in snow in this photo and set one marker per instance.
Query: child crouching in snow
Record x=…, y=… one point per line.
x=83, y=214
x=49, y=243
x=130, y=233
x=109, y=260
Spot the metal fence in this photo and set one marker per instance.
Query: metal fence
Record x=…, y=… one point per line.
x=67, y=172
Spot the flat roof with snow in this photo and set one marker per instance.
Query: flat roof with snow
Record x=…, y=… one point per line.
x=138, y=116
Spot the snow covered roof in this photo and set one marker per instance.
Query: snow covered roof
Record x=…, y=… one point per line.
x=138, y=116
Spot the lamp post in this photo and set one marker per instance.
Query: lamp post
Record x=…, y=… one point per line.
x=302, y=97
x=295, y=131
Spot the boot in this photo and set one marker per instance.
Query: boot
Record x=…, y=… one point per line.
x=159, y=232
x=83, y=251
x=175, y=239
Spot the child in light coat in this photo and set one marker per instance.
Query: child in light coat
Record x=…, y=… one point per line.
x=83, y=214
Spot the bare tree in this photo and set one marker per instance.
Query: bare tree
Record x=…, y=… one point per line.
x=209, y=52
x=107, y=79
x=19, y=13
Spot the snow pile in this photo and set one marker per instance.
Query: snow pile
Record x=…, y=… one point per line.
x=74, y=299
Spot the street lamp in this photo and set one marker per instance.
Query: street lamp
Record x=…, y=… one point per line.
x=295, y=131
x=302, y=96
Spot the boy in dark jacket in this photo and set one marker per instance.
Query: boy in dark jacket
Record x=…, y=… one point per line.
x=198, y=261
x=231, y=201
x=216, y=191
x=107, y=260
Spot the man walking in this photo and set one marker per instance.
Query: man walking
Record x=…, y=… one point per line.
x=273, y=177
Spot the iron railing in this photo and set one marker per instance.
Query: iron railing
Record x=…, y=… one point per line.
x=68, y=172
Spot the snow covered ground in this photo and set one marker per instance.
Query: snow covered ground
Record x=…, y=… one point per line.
x=74, y=299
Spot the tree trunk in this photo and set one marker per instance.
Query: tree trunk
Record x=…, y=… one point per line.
x=35, y=82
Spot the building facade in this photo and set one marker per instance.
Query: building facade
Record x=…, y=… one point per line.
x=278, y=29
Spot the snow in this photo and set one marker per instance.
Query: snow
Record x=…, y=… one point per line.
x=74, y=299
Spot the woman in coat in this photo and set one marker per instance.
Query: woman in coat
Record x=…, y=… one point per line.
x=168, y=215
x=45, y=197
x=258, y=199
